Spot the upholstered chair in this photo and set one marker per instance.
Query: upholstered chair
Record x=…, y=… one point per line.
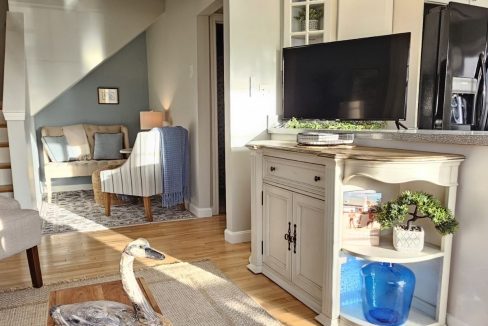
x=139, y=176
x=20, y=229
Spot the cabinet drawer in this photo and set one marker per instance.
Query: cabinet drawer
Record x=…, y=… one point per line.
x=310, y=177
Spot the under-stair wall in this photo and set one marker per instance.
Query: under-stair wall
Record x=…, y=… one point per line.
x=65, y=40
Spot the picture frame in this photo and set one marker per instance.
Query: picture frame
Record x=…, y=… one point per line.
x=108, y=95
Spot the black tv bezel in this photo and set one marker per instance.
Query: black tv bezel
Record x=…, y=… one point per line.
x=282, y=116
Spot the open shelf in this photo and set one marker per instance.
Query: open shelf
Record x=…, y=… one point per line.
x=354, y=314
x=385, y=252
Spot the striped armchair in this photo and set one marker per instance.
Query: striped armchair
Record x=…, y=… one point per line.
x=139, y=176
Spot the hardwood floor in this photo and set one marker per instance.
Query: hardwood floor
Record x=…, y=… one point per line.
x=81, y=255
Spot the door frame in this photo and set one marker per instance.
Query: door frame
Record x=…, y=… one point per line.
x=214, y=19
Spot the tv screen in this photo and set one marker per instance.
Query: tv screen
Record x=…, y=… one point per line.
x=361, y=79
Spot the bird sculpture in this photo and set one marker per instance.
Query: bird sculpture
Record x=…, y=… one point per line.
x=110, y=313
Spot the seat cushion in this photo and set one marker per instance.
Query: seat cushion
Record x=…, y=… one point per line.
x=107, y=146
x=76, y=168
x=21, y=230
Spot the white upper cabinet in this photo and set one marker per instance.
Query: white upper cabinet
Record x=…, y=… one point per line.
x=359, y=18
x=309, y=22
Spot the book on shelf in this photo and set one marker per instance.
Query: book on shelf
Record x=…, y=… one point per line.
x=359, y=225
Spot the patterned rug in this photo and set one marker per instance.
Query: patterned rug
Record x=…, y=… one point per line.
x=77, y=211
x=187, y=294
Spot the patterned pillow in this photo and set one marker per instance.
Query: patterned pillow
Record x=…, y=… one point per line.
x=107, y=146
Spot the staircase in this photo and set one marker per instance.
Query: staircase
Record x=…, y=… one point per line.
x=6, y=188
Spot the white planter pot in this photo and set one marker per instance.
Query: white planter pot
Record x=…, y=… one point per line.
x=408, y=241
x=313, y=25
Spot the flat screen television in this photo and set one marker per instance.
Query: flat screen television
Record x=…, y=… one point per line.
x=361, y=79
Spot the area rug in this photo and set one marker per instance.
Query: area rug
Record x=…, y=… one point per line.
x=77, y=211
x=188, y=294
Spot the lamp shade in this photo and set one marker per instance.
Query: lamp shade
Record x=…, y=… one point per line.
x=151, y=119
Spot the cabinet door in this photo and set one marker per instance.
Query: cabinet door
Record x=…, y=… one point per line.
x=359, y=18
x=308, y=219
x=277, y=217
x=479, y=3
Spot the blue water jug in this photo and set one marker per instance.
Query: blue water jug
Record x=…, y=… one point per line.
x=387, y=293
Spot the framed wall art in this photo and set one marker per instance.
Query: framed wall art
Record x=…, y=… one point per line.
x=108, y=95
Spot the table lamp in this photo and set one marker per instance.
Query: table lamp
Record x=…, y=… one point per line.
x=151, y=119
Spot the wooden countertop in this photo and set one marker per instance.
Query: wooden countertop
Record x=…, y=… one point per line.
x=355, y=152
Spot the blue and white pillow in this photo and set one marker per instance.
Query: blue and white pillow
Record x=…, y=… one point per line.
x=57, y=148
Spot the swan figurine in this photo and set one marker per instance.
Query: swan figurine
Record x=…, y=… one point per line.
x=110, y=313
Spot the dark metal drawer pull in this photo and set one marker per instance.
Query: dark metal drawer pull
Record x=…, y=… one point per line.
x=317, y=178
x=272, y=168
x=288, y=236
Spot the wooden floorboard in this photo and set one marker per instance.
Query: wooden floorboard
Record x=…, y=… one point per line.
x=80, y=255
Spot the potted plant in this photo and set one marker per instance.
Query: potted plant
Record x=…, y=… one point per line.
x=417, y=205
x=314, y=15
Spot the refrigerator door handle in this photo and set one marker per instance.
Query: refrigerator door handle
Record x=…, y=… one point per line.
x=479, y=114
x=483, y=113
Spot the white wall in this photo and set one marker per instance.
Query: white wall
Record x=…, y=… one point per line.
x=253, y=62
x=468, y=296
x=173, y=85
x=408, y=16
x=66, y=39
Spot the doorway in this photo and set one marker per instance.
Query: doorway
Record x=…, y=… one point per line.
x=217, y=90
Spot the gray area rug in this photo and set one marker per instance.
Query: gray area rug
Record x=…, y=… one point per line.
x=77, y=211
x=187, y=294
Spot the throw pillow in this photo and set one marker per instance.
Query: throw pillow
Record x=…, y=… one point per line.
x=78, y=146
x=56, y=148
x=107, y=146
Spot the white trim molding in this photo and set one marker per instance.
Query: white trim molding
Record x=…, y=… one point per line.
x=237, y=237
x=200, y=211
x=15, y=116
x=76, y=187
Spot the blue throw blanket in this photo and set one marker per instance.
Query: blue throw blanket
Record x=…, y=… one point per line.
x=175, y=160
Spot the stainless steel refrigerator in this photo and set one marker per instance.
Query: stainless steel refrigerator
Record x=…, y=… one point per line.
x=453, y=82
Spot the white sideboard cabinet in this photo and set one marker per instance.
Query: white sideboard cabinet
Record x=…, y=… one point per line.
x=297, y=221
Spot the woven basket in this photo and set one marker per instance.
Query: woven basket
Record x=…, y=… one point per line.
x=97, y=187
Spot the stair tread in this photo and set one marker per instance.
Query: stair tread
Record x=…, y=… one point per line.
x=5, y=166
x=3, y=125
x=3, y=144
x=7, y=188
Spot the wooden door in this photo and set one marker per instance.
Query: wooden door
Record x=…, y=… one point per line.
x=277, y=218
x=308, y=256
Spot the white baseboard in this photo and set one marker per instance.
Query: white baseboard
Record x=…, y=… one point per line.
x=61, y=188
x=200, y=212
x=237, y=237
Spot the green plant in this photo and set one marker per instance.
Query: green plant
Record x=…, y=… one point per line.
x=313, y=14
x=334, y=125
x=393, y=213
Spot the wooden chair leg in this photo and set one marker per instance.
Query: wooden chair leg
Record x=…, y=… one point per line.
x=34, y=267
x=147, y=209
x=107, y=197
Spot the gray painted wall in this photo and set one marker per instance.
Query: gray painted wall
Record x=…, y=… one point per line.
x=127, y=70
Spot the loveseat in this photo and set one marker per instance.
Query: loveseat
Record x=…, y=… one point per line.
x=83, y=168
